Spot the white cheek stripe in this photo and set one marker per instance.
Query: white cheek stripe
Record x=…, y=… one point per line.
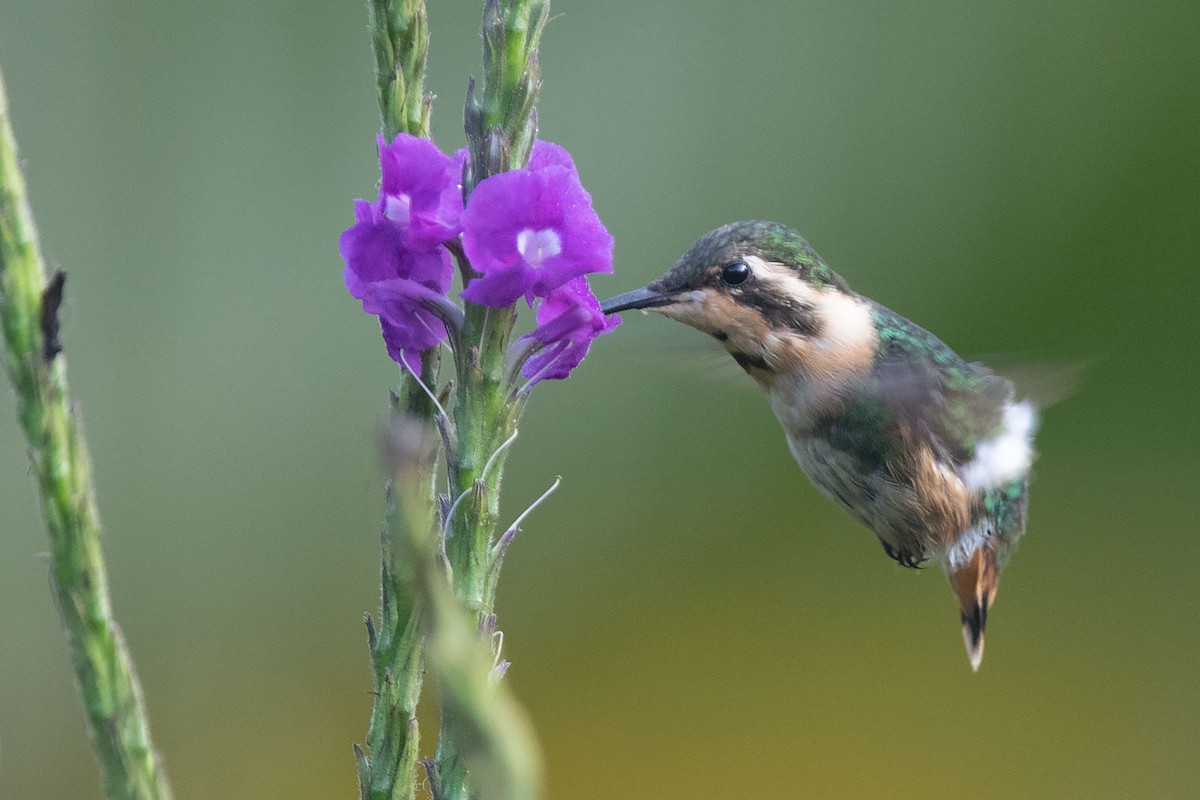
x=1006, y=455
x=847, y=320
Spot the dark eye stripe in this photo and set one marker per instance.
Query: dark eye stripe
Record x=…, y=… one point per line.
x=780, y=311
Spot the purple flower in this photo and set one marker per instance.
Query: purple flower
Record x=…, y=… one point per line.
x=531, y=230
x=408, y=325
x=393, y=252
x=421, y=190
x=374, y=251
x=569, y=318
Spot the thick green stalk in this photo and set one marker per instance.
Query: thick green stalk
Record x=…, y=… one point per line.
x=496, y=124
x=387, y=770
x=484, y=421
x=112, y=696
x=492, y=733
x=500, y=127
x=393, y=739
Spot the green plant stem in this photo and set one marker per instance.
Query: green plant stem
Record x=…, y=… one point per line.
x=483, y=421
x=484, y=416
x=396, y=649
x=492, y=733
x=500, y=128
x=400, y=41
x=112, y=695
x=386, y=770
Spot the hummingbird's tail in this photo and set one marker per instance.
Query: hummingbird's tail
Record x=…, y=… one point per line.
x=975, y=584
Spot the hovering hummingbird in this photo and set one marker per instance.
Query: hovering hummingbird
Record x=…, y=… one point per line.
x=928, y=451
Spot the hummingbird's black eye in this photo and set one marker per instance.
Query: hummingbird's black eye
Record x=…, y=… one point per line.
x=735, y=273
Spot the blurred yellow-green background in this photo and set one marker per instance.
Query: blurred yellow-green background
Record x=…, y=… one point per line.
x=687, y=617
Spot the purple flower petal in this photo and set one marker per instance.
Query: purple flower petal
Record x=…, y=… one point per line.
x=421, y=190
x=569, y=318
x=530, y=231
x=393, y=252
x=408, y=326
x=394, y=339
x=370, y=247
x=547, y=154
x=501, y=288
x=374, y=251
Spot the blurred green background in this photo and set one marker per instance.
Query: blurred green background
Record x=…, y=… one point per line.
x=687, y=617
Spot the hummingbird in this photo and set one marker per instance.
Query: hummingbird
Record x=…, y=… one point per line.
x=928, y=451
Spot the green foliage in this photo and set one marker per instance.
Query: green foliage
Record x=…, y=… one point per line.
x=29, y=305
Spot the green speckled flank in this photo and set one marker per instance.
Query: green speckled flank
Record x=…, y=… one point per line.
x=1006, y=507
x=865, y=428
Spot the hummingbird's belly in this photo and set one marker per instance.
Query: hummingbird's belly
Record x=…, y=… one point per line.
x=917, y=508
x=837, y=476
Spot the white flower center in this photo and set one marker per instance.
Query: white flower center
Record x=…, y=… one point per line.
x=536, y=246
x=398, y=208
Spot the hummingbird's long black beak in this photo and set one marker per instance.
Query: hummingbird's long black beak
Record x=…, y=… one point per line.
x=638, y=298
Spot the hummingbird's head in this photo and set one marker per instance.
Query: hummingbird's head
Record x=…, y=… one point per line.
x=761, y=290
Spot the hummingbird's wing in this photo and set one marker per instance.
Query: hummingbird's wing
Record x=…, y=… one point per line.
x=1043, y=381
x=949, y=406
x=932, y=392
x=903, y=436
